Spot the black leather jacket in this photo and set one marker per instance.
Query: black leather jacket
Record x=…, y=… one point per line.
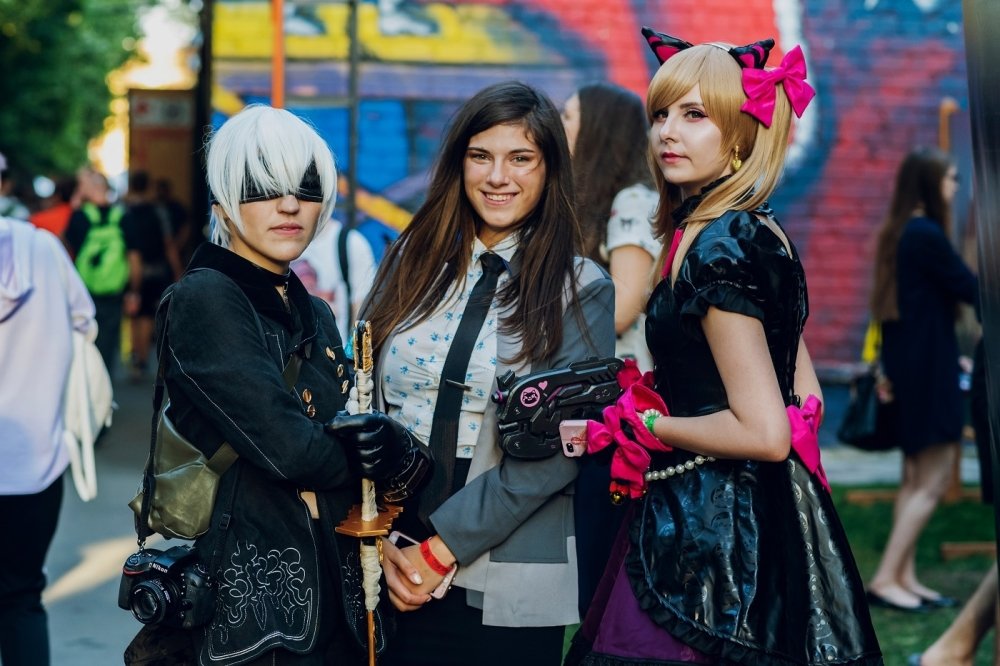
x=277, y=571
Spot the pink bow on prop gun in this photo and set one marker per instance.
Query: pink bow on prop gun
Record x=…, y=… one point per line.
x=761, y=85
x=805, y=422
x=621, y=426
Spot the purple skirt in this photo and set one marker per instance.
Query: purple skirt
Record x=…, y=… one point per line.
x=738, y=562
x=616, y=631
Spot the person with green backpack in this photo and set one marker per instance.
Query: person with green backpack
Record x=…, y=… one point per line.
x=108, y=263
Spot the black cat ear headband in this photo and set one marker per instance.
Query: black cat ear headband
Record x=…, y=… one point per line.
x=759, y=84
x=664, y=47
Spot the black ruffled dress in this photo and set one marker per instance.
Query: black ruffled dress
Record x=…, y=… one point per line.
x=734, y=561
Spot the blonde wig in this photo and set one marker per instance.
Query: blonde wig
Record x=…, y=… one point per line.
x=762, y=149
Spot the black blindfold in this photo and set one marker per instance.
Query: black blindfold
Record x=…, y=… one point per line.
x=310, y=189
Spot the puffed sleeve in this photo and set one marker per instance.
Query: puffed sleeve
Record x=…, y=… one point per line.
x=631, y=220
x=721, y=270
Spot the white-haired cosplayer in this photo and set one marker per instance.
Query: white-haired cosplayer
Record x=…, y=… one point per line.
x=262, y=154
x=253, y=362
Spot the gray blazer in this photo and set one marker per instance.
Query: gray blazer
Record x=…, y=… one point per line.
x=511, y=526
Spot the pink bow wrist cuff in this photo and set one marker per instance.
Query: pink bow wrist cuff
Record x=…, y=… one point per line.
x=621, y=426
x=805, y=422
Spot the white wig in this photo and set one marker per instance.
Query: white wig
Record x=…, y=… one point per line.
x=264, y=149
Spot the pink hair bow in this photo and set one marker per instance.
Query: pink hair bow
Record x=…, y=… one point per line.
x=805, y=422
x=621, y=426
x=761, y=85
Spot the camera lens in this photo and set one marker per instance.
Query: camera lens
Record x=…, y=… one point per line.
x=150, y=601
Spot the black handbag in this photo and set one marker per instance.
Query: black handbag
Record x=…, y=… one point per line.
x=869, y=423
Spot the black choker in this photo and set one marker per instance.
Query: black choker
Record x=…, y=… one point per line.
x=686, y=207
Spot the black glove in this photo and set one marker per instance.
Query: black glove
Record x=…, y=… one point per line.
x=384, y=451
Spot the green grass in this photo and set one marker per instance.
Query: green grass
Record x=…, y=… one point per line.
x=901, y=634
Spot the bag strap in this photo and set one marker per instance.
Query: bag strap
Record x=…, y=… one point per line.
x=224, y=456
x=142, y=529
x=345, y=272
x=92, y=213
x=99, y=217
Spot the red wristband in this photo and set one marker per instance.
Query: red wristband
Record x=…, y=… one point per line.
x=432, y=561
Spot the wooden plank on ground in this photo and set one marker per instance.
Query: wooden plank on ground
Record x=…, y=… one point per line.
x=867, y=497
x=951, y=550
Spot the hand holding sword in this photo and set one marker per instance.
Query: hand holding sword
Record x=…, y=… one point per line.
x=387, y=455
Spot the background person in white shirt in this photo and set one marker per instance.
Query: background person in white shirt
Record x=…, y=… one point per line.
x=606, y=129
x=320, y=271
x=41, y=301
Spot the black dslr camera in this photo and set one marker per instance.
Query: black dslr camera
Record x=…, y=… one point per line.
x=169, y=587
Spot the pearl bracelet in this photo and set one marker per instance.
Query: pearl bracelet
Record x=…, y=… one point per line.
x=656, y=475
x=649, y=418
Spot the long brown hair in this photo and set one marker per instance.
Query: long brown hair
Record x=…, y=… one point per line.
x=607, y=157
x=918, y=188
x=436, y=247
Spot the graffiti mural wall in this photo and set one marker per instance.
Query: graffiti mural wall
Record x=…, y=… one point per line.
x=881, y=69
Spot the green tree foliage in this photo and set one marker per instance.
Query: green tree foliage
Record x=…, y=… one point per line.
x=55, y=56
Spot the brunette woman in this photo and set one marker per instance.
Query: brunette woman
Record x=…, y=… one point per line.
x=499, y=213
x=919, y=281
x=615, y=200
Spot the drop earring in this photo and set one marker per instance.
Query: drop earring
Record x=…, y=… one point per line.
x=736, y=162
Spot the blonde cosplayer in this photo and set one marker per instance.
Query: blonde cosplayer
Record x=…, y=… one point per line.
x=756, y=140
x=264, y=153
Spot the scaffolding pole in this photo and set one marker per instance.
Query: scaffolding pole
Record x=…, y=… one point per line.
x=354, y=115
x=278, y=54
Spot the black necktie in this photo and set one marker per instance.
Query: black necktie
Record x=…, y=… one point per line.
x=451, y=391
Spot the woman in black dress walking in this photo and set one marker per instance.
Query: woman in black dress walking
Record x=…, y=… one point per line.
x=919, y=282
